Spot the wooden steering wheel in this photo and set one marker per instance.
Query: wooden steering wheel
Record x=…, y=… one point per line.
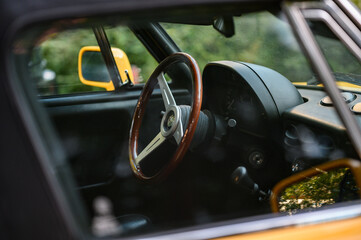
x=171, y=124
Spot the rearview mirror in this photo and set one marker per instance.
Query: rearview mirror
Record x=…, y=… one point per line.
x=93, y=71
x=224, y=25
x=325, y=184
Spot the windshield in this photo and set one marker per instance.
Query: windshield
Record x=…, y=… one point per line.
x=260, y=38
x=344, y=65
x=267, y=40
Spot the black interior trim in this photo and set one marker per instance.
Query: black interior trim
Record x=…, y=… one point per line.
x=100, y=97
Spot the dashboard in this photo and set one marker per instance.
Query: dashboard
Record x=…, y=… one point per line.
x=254, y=96
x=273, y=127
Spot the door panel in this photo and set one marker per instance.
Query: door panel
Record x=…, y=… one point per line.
x=94, y=129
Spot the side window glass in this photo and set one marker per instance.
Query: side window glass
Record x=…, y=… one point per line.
x=345, y=66
x=54, y=60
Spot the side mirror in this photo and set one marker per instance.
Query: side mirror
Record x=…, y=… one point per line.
x=93, y=71
x=325, y=184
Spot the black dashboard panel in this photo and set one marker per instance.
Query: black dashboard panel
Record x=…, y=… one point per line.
x=315, y=123
x=252, y=95
x=249, y=100
x=264, y=113
x=315, y=114
x=318, y=112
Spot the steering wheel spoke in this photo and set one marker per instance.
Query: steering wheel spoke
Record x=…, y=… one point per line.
x=154, y=144
x=166, y=93
x=178, y=134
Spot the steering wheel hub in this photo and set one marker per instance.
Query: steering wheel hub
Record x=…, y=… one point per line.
x=170, y=121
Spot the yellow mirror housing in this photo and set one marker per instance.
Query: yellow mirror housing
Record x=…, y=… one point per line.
x=92, y=70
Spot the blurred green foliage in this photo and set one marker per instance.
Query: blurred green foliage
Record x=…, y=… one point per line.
x=326, y=188
x=260, y=38
x=121, y=37
x=357, y=2
x=61, y=55
x=320, y=190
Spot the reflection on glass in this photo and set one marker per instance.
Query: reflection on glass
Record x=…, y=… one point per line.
x=323, y=189
x=94, y=68
x=344, y=65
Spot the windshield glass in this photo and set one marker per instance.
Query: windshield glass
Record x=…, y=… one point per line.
x=260, y=38
x=267, y=40
x=344, y=65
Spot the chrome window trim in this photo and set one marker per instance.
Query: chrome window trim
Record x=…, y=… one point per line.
x=343, y=20
x=351, y=10
x=337, y=14
x=321, y=15
x=315, y=56
x=260, y=223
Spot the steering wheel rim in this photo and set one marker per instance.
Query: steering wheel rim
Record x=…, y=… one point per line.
x=182, y=141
